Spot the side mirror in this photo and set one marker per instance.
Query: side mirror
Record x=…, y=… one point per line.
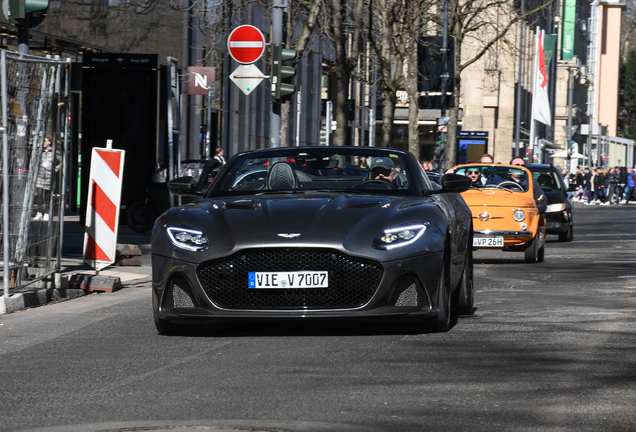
x=452, y=183
x=572, y=187
x=542, y=199
x=456, y=183
x=183, y=186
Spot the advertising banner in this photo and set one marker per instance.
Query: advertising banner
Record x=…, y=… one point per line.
x=569, y=28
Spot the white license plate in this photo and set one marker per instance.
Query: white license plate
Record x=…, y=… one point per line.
x=488, y=241
x=295, y=279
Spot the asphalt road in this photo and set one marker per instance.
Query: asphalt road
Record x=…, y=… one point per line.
x=551, y=347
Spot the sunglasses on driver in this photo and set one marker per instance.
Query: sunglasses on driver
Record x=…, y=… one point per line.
x=376, y=171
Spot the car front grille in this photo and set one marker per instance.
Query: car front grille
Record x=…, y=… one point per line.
x=352, y=282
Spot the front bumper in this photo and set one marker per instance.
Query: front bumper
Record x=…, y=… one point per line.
x=558, y=222
x=407, y=288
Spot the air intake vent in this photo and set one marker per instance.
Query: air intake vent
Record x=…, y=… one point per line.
x=178, y=294
x=407, y=291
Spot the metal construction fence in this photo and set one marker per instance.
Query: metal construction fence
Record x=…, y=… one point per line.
x=35, y=139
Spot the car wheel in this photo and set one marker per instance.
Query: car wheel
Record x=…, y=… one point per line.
x=139, y=217
x=541, y=254
x=441, y=323
x=532, y=251
x=568, y=235
x=464, y=297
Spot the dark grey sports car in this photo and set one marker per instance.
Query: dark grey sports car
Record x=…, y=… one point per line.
x=315, y=232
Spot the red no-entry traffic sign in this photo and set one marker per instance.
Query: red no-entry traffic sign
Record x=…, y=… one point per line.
x=246, y=44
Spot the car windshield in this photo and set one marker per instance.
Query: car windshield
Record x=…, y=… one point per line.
x=548, y=180
x=291, y=169
x=496, y=177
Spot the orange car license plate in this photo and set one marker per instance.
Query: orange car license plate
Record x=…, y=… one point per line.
x=488, y=242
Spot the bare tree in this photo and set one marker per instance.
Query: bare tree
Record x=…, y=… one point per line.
x=628, y=27
x=472, y=20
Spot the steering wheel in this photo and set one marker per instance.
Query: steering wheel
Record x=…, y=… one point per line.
x=511, y=183
x=374, y=184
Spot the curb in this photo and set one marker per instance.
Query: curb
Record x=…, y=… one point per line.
x=38, y=297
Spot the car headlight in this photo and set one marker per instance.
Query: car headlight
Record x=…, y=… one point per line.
x=189, y=239
x=519, y=215
x=555, y=208
x=400, y=236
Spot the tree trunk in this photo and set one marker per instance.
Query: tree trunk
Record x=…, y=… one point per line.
x=414, y=112
x=388, y=115
x=341, y=73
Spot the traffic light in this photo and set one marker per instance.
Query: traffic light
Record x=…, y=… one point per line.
x=282, y=69
x=571, y=144
x=18, y=9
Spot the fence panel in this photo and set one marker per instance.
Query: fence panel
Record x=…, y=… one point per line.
x=35, y=107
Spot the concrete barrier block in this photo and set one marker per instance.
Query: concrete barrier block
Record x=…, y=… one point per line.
x=12, y=303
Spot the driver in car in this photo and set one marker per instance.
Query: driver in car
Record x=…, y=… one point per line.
x=383, y=168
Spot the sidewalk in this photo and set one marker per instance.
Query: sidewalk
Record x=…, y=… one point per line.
x=73, y=270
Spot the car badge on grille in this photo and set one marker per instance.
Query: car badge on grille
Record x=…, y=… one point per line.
x=484, y=216
x=289, y=235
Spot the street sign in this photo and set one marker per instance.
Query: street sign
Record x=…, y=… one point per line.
x=247, y=77
x=246, y=44
x=200, y=79
x=572, y=129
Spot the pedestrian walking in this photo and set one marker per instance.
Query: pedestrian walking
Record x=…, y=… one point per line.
x=219, y=155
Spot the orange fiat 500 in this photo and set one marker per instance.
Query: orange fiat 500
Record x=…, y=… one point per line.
x=505, y=215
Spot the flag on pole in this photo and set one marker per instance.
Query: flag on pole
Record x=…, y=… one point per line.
x=540, y=102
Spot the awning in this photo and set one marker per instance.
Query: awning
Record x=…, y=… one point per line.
x=563, y=154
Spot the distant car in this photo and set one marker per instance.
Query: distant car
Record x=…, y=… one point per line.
x=559, y=212
x=302, y=233
x=505, y=215
x=141, y=214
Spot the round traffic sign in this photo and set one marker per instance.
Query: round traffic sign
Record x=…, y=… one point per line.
x=246, y=44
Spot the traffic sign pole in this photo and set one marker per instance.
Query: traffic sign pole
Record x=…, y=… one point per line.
x=277, y=38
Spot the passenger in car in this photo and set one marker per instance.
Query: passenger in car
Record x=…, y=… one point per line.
x=536, y=188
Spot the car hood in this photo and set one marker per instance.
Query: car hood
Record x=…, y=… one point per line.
x=498, y=198
x=349, y=222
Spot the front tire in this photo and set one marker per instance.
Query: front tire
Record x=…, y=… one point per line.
x=441, y=323
x=464, y=297
x=532, y=251
x=568, y=235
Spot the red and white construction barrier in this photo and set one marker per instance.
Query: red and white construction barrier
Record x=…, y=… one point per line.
x=102, y=209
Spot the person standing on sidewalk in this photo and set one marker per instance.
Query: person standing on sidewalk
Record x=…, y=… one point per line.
x=631, y=184
x=587, y=177
x=580, y=184
x=613, y=180
x=48, y=167
x=592, y=188
x=599, y=186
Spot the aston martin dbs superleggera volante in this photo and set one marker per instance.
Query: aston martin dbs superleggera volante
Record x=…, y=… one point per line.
x=315, y=232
